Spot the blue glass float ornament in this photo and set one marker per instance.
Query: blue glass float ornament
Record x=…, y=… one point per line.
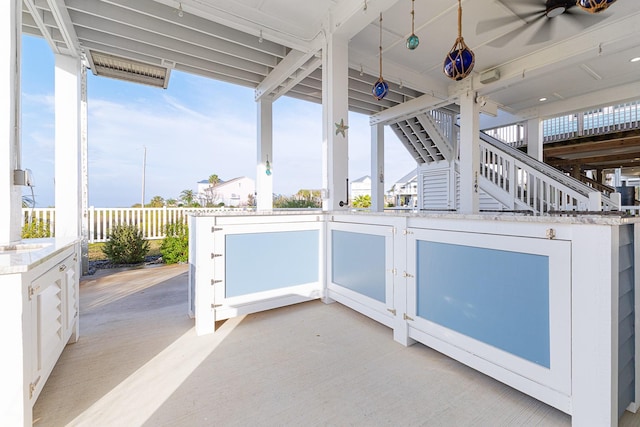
x=268, y=169
x=595, y=6
x=380, y=89
x=412, y=42
x=459, y=62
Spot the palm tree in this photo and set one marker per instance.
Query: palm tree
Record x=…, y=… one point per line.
x=156, y=202
x=187, y=197
x=171, y=202
x=214, y=179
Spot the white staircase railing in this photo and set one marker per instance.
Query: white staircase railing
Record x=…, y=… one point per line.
x=521, y=182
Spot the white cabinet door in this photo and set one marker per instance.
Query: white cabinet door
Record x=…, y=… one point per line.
x=47, y=335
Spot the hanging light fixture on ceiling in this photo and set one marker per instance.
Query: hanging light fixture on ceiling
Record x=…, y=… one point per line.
x=380, y=87
x=412, y=41
x=594, y=6
x=459, y=62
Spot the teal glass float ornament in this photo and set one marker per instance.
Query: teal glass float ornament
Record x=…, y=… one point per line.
x=412, y=41
x=460, y=60
x=268, y=168
x=380, y=89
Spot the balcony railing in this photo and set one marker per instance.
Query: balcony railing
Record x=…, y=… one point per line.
x=614, y=118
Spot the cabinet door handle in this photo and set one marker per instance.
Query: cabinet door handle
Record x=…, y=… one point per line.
x=62, y=267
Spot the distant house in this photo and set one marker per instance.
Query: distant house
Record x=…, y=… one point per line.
x=234, y=192
x=405, y=191
x=361, y=187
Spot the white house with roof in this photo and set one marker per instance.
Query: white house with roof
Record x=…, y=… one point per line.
x=361, y=187
x=235, y=192
x=404, y=192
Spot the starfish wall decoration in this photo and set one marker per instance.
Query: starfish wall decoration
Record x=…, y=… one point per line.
x=341, y=128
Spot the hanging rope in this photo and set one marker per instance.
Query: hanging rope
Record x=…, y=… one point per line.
x=380, y=45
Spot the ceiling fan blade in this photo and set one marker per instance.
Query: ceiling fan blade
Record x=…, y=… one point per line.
x=506, y=38
x=492, y=24
x=545, y=32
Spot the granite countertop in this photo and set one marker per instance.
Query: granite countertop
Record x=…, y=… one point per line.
x=23, y=256
x=612, y=218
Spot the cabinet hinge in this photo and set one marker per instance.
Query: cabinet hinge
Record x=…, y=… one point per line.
x=405, y=317
x=62, y=267
x=33, y=291
x=216, y=305
x=407, y=275
x=392, y=311
x=32, y=387
x=394, y=271
x=214, y=229
x=214, y=281
x=394, y=230
x=405, y=232
x=215, y=256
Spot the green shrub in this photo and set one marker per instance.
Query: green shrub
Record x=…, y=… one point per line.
x=175, y=246
x=36, y=228
x=126, y=245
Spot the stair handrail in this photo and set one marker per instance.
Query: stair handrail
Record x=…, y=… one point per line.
x=547, y=170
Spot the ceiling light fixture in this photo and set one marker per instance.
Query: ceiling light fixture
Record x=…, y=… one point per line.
x=542, y=99
x=459, y=62
x=636, y=59
x=594, y=6
x=412, y=41
x=380, y=87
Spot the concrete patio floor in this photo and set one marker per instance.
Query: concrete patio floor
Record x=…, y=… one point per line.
x=139, y=363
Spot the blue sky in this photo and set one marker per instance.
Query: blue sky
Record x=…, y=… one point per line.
x=194, y=128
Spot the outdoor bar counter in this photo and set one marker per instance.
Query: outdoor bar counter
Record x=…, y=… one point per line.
x=546, y=304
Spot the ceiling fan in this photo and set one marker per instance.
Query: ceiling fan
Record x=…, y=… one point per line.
x=543, y=16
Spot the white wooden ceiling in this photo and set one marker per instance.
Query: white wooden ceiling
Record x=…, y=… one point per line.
x=584, y=61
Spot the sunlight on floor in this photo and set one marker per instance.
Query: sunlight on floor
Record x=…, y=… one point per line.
x=143, y=392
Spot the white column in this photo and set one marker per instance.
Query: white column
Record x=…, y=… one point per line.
x=335, y=109
x=68, y=150
x=469, y=154
x=84, y=143
x=10, y=53
x=377, y=168
x=534, y=139
x=264, y=181
x=594, y=319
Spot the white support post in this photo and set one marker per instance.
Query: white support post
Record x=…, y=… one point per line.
x=534, y=139
x=68, y=150
x=469, y=154
x=84, y=146
x=377, y=168
x=335, y=115
x=10, y=158
x=595, y=201
x=264, y=179
x=594, y=313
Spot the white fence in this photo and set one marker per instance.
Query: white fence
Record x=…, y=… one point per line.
x=99, y=221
